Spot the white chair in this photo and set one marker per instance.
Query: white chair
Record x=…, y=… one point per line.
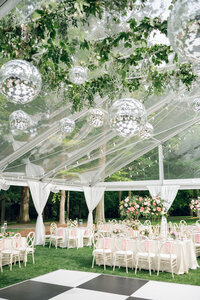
x=56, y=235
x=196, y=240
x=145, y=255
x=47, y=236
x=72, y=239
x=28, y=249
x=122, y=255
x=166, y=257
x=101, y=254
x=88, y=236
x=10, y=256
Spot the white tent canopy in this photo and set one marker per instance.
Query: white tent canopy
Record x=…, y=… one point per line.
x=84, y=159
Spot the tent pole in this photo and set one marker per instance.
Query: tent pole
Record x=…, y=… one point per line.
x=161, y=168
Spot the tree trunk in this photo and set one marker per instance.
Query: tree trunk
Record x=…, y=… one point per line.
x=3, y=208
x=24, y=207
x=120, y=196
x=100, y=212
x=68, y=196
x=62, y=208
x=129, y=194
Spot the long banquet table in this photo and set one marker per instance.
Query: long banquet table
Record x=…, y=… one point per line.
x=184, y=249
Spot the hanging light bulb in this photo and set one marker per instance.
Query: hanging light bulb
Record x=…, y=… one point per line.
x=96, y=117
x=19, y=120
x=146, y=131
x=184, y=29
x=127, y=116
x=78, y=75
x=20, y=81
x=67, y=125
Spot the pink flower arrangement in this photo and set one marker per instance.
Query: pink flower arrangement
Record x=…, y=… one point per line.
x=195, y=205
x=136, y=206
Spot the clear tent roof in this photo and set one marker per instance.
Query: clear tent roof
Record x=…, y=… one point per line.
x=90, y=155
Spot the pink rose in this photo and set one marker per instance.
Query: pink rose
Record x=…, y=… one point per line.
x=121, y=206
x=127, y=211
x=131, y=208
x=125, y=204
x=127, y=199
x=154, y=204
x=142, y=208
x=158, y=209
x=140, y=199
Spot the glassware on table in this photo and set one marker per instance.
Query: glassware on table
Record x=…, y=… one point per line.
x=3, y=230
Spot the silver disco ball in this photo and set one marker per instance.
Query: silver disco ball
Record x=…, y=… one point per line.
x=96, y=117
x=19, y=120
x=196, y=104
x=127, y=116
x=20, y=81
x=78, y=75
x=67, y=125
x=184, y=29
x=146, y=131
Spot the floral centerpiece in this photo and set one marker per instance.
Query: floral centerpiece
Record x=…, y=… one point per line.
x=174, y=235
x=116, y=231
x=134, y=207
x=195, y=206
x=6, y=234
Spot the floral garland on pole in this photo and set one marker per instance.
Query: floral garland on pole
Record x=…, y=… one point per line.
x=195, y=206
x=136, y=206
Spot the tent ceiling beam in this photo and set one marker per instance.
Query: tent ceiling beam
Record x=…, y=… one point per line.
x=6, y=6
x=160, y=159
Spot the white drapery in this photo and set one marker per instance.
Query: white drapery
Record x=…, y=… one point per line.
x=40, y=193
x=93, y=196
x=168, y=194
x=4, y=185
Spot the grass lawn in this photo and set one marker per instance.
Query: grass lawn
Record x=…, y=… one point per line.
x=48, y=260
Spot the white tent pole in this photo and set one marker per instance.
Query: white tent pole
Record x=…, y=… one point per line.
x=161, y=168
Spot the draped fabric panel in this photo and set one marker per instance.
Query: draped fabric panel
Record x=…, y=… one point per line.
x=93, y=196
x=154, y=190
x=40, y=193
x=168, y=194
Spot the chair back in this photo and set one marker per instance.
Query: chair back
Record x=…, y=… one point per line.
x=16, y=240
x=147, y=223
x=30, y=239
x=72, y=232
x=53, y=228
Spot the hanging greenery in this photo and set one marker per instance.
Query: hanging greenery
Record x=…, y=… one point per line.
x=60, y=36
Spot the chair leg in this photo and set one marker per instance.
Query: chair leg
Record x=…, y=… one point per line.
x=33, y=259
x=93, y=261
x=136, y=265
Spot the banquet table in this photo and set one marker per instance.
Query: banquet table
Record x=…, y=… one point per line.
x=184, y=249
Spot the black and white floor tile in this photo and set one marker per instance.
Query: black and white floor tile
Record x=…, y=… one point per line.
x=64, y=284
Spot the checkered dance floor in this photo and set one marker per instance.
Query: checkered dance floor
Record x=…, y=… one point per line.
x=74, y=285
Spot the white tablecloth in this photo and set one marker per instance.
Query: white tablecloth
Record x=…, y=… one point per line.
x=186, y=258
x=80, y=234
